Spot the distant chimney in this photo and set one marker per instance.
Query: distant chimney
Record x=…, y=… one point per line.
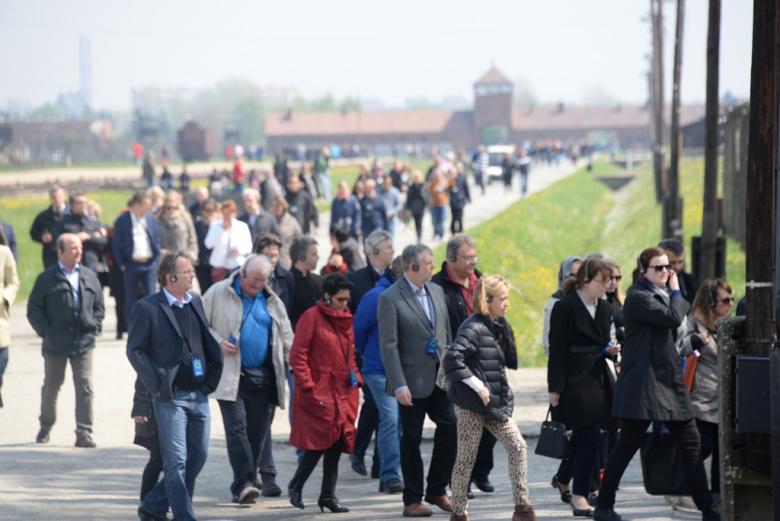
x=560, y=106
x=619, y=107
x=288, y=115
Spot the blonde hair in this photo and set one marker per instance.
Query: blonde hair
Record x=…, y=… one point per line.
x=488, y=287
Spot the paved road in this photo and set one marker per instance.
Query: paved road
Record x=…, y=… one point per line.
x=57, y=482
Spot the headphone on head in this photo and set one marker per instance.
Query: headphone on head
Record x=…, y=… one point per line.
x=174, y=278
x=639, y=265
x=585, y=267
x=712, y=293
x=415, y=267
x=242, y=271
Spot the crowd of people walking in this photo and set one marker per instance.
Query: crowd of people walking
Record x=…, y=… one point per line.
x=232, y=307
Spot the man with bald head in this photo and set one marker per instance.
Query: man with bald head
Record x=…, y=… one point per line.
x=66, y=310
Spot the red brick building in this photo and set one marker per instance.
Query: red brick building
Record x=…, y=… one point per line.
x=494, y=119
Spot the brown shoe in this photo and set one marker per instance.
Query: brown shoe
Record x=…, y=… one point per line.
x=524, y=513
x=442, y=501
x=417, y=510
x=459, y=517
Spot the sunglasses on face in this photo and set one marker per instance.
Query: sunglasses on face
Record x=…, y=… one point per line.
x=728, y=301
x=616, y=278
x=660, y=267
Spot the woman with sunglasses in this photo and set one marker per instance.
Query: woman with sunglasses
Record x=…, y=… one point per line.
x=325, y=405
x=650, y=386
x=698, y=336
x=577, y=377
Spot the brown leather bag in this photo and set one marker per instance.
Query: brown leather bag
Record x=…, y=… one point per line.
x=691, y=361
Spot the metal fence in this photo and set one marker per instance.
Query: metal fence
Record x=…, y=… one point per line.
x=66, y=152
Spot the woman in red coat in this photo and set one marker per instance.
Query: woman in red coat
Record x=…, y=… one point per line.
x=326, y=390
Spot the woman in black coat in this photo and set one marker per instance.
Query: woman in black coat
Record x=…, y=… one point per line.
x=577, y=376
x=475, y=366
x=650, y=386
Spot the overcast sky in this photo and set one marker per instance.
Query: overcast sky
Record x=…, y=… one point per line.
x=384, y=50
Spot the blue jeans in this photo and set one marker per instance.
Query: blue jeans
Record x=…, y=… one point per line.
x=323, y=183
x=387, y=437
x=438, y=214
x=183, y=427
x=523, y=175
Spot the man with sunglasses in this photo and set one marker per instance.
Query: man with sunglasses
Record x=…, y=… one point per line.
x=675, y=250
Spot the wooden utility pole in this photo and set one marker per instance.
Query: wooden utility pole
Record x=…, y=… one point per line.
x=656, y=16
x=674, y=220
x=761, y=211
x=709, y=226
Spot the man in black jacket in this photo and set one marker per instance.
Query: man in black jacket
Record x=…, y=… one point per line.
x=66, y=310
x=675, y=250
x=42, y=228
x=373, y=214
x=94, y=238
x=458, y=278
x=379, y=252
x=301, y=206
x=174, y=354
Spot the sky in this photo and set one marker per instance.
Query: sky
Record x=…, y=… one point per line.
x=389, y=51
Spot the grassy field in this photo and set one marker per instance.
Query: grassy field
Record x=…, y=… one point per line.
x=21, y=212
x=576, y=216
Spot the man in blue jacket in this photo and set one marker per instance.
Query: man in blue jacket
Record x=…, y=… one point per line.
x=172, y=350
x=367, y=344
x=136, y=248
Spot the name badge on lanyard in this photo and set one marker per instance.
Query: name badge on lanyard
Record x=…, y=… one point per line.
x=197, y=367
x=432, y=346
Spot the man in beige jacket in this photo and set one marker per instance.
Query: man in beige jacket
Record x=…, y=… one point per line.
x=9, y=287
x=250, y=322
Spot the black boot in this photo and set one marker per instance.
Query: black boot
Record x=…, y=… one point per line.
x=332, y=504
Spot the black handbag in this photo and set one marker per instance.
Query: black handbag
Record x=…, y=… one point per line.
x=662, y=466
x=553, y=439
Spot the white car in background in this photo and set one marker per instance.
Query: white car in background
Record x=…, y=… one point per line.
x=496, y=154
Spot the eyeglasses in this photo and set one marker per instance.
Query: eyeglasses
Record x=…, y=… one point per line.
x=728, y=300
x=661, y=267
x=171, y=207
x=470, y=258
x=616, y=278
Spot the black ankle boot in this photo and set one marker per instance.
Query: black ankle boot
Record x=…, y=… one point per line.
x=711, y=513
x=295, y=497
x=332, y=504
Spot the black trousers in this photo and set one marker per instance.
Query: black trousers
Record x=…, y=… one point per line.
x=418, y=220
x=439, y=408
x=587, y=441
x=368, y=422
x=484, y=463
x=245, y=421
x=709, y=447
x=630, y=439
x=456, y=220
x=153, y=468
x=330, y=470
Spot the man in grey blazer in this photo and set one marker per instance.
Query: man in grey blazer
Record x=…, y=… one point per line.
x=414, y=333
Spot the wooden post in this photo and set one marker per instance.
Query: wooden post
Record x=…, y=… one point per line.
x=656, y=15
x=709, y=227
x=674, y=221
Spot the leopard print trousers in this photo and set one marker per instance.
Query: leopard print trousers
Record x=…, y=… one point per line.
x=470, y=426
